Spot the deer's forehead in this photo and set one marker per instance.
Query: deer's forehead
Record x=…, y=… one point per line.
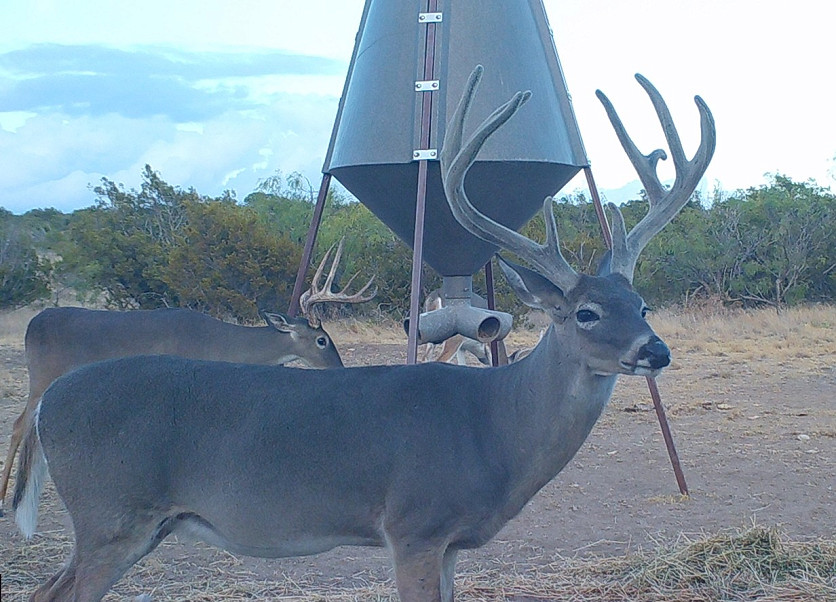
x=605, y=291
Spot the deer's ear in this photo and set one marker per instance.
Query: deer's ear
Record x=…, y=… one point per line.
x=533, y=289
x=605, y=265
x=278, y=321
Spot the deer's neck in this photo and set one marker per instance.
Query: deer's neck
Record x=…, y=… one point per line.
x=249, y=345
x=553, y=401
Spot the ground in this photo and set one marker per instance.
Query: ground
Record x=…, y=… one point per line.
x=751, y=401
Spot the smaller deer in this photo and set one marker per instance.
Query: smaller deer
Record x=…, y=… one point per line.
x=60, y=339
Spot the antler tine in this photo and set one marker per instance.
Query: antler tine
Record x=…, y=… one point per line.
x=457, y=160
x=455, y=128
x=315, y=294
x=333, y=271
x=664, y=204
x=342, y=297
x=358, y=296
x=307, y=299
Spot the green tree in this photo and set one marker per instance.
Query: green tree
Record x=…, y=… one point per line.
x=371, y=249
x=795, y=226
x=161, y=245
x=46, y=227
x=229, y=263
x=287, y=204
x=24, y=275
x=121, y=246
x=677, y=262
x=772, y=244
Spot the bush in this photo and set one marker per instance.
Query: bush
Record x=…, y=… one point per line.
x=228, y=263
x=24, y=276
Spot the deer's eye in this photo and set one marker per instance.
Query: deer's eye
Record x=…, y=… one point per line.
x=586, y=315
x=322, y=342
x=645, y=310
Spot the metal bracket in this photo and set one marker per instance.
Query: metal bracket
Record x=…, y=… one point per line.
x=424, y=154
x=426, y=86
x=429, y=17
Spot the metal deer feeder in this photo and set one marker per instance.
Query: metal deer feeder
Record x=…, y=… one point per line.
x=377, y=141
x=409, y=66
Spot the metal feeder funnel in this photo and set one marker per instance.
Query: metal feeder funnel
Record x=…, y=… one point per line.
x=376, y=133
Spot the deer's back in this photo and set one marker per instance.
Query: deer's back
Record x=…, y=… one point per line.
x=59, y=339
x=206, y=437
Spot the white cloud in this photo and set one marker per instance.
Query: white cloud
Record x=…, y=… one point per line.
x=200, y=129
x=66, y=193
x=218, y=95
x=49, y=154
x=55, y=148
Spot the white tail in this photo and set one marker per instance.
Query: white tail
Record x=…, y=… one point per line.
x=34, y=472
x=424, y=459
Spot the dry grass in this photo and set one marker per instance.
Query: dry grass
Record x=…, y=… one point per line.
x=351, y=331
x=13, y=324
x=805, y=336
x=800, y=330
x=751, y=564
x=795, y=333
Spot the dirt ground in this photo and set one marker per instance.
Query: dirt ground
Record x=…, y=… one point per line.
x=752, y=408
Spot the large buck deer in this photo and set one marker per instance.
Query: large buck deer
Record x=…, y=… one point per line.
x=425, y=459
x=63, y=338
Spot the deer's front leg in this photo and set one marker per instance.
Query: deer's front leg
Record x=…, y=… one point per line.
x=418, y=572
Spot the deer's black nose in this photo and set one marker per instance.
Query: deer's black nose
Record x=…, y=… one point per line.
x=655, y=353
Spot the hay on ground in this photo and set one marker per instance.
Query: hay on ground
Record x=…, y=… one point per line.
x=754, y=564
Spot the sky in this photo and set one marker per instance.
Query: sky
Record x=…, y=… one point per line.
x=219, y=95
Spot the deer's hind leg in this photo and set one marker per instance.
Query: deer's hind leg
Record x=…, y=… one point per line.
x=59, y=586
x=21, y=425
x=98, y=563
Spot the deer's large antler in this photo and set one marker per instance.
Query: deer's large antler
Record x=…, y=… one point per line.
x=664, y=203
x=457, y=159
x=324, y=294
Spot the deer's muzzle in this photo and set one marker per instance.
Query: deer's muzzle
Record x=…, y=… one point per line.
x=654, y=354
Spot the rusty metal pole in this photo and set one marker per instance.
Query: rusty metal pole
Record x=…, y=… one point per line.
x=599, y=208
x=310, y=241
x=417, y=260
x=651, y=382
x=499, y=356
x=666, y=433
x=422, y=154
